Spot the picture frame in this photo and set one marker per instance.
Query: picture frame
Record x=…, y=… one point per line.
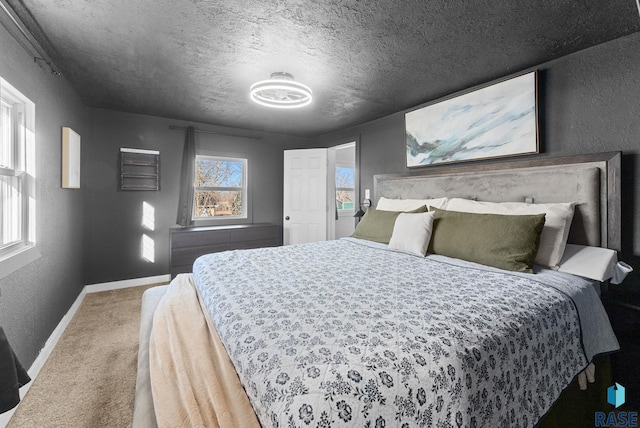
x=70, y=159
x=498, y=120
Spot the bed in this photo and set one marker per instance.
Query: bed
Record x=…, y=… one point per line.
x=355, y=332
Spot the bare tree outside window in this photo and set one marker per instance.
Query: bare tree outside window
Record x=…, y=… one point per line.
x=345, y=188
x=220, y=187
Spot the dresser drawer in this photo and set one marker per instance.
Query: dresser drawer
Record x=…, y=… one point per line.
x=189, y=243
x=189, y=239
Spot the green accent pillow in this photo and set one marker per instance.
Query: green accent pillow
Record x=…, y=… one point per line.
x=507, y=242
x=377, y=225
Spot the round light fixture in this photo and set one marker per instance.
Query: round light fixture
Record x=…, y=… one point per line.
x=281, y=92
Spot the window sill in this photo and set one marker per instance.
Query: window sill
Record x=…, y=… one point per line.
x=349, y=213
x=221, y=221
x=18, y=259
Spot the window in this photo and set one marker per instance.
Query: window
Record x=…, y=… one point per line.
x=17, y=187
x=345, y=188
x=220, y=188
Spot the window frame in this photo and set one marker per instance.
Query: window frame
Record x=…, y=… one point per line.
x=16, y=254
x=246, y=216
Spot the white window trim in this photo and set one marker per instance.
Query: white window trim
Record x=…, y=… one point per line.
x=26, y=251
x=246, y=216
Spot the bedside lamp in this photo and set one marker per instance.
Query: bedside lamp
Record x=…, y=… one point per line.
x=620, y=272
x=360, y=213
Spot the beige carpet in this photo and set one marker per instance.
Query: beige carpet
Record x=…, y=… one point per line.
x=90, y=377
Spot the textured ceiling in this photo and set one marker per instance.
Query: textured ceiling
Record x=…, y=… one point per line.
x=364, y=59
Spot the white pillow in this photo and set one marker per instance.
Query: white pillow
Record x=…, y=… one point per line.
x=557, y=223
x=386, y=204
x=412, y=233
x=591, y=262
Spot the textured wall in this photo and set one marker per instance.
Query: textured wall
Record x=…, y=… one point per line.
x=588, y=104
x=35, y=298
x=113, y=218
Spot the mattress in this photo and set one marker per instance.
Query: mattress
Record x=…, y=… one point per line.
x=349, y=333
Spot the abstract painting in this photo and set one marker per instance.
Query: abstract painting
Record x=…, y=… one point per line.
x=494, y=121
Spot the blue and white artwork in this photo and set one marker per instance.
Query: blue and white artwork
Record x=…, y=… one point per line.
x=495, y=121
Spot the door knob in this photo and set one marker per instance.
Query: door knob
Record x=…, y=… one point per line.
x=286, y=218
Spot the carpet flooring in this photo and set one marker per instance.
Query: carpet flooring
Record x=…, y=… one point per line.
x=90, y=377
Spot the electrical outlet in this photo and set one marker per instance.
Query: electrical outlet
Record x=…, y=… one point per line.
x=367, y=194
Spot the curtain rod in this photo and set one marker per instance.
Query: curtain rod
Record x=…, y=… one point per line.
x=184, y=128
x=13, y=21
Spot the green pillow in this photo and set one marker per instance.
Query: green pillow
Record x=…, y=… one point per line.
x=377, y=225
x=507, y=242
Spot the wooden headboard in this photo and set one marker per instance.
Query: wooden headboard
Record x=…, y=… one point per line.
x=591, y=181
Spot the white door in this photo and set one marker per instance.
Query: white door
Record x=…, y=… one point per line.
x=305, y=196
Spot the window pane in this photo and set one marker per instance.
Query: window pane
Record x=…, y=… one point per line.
x=344, y=199
x=345, y=177
x=11, y=212
x=345, y=192
x=218, y=204
x=6, y=135
x=17, y=179
x=212, y=172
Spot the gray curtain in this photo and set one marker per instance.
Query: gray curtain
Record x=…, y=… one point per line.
x=187, y=178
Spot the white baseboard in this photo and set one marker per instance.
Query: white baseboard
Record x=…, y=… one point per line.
x=45, y=352
x=114, y=285
x=51, y=342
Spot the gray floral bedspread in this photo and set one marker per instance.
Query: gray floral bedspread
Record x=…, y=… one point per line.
x=342, y=334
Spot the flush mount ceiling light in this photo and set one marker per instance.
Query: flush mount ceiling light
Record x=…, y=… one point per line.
x=281, y=92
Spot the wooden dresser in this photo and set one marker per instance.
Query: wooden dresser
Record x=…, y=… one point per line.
x=189, y=243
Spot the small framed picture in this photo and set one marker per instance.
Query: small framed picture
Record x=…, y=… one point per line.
x=70, y=158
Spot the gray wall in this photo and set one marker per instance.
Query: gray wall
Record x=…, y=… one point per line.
x=34, y=299
x=113, y=218
x=589, y=103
